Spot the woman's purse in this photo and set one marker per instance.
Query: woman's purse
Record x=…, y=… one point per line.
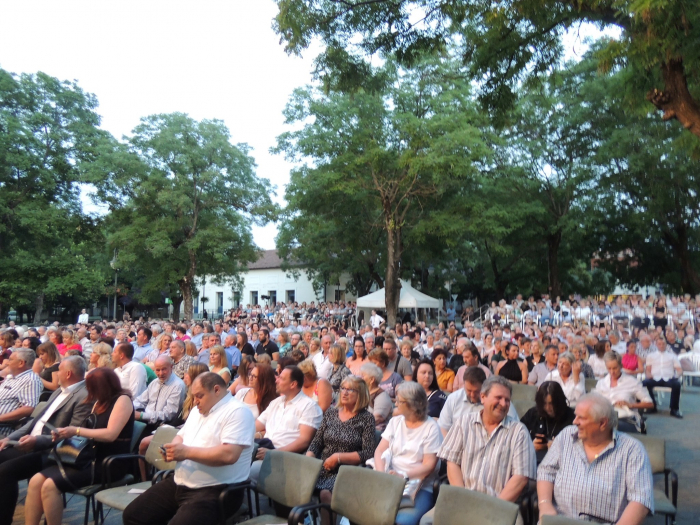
x=77, y=452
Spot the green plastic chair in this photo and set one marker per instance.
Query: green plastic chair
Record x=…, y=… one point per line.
x=457, y=506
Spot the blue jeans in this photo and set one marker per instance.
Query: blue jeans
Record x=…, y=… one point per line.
x=424, y=502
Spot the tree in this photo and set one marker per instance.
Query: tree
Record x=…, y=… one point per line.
x=48, y=135
x=398, y=151
x=182, y=202
x=508, y=41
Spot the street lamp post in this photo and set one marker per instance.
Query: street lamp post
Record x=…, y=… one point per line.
x=113, y=264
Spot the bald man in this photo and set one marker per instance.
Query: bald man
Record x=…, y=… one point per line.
x=162, y=401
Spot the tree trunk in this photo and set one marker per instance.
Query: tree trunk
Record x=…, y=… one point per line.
x=675, y=100
x=392, y=284
x=38, y=308
x=690, y=280
x=553, y=243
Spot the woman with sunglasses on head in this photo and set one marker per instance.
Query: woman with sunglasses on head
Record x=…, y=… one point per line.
x=345, y=437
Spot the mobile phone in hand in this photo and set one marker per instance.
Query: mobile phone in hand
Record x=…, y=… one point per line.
x=163, y=451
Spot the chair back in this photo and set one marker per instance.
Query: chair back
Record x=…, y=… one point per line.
x=163, y=435
x=656, y=450
x=559, y=520
x=523, y=392
x=522, y=406
x=457, y=505
x=288, y=478
x=590, y=384
x=367, y=497
x=38, y=408
x=139, y=427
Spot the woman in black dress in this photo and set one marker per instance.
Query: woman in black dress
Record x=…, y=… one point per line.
x=513, y=368
x=345, y=437
x=113, y=417
x=550, y=416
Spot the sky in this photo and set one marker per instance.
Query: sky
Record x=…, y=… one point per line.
x=210, y=59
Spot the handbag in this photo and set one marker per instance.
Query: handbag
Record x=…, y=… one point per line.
x=78, y=452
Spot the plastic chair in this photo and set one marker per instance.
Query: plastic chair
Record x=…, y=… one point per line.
x=118, y=497
x=456, y=506
x=287, y=479
x=90, y=491
x=665, y=502
x=591, y=382
x=523, y=392
x=522, y=406
x=559, y=520
x=367, y=497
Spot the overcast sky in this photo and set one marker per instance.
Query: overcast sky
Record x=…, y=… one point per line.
x=210, y=59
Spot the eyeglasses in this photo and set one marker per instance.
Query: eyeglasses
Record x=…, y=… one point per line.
x=347, y=390
x=253, y=376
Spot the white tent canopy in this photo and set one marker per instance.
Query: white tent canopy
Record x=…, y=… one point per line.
x=410, y=298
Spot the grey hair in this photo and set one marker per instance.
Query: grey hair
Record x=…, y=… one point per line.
x=414, y=396
x=156, y=328
x=568, y=356
x=165, y=358
x=27, y=355
x=616, y=333
x=180, y=344
x=496, y=380
x=612, y=356
x=463, y=341
x=76, y=365
x=372, y=370
x=599, y=407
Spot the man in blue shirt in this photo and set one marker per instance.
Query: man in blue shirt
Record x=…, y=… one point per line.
x=142, y=345
x=233, y=354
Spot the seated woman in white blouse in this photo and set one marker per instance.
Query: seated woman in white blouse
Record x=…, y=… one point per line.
x=568, y=374
x=409, y=448
x=625, y=392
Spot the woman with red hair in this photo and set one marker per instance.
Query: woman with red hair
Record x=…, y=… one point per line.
x=261, y=391
x=110, y=425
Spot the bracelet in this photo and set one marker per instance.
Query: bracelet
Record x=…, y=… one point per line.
x=77, y=431
x=338, y=454
x=545, y=501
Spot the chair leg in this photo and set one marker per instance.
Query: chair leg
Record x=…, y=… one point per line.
x=87, y=510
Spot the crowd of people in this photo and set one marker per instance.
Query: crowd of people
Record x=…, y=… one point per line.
x=411, y=400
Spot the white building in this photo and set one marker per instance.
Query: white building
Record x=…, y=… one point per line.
x=265, y=277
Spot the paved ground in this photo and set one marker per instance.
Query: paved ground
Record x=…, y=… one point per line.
x=682, y=455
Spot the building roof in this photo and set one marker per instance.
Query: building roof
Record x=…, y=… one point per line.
x=269, y=259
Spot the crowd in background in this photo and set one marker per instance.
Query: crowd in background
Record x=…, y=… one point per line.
x=401, y=398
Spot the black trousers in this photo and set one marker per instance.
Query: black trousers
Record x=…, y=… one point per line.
x=169, y=503
x=16, y=466
x=675, y=386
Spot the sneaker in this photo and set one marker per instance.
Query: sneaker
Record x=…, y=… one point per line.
x=677, y=414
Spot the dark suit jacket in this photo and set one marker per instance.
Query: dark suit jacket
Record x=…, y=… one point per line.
x=72, y=412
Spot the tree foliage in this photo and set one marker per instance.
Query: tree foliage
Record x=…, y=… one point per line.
x=504, y=43
x=182, y=200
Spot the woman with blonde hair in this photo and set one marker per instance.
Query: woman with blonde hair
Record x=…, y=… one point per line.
x=100, y=357
x=244, y=368
x=339, y=372
x=345, y=437
x=68, y=342
x=316, y=388
x=218, y=363
x=191, y=348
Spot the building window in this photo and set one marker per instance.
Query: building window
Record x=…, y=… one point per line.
x=273, y=297
x=236, y=299
x=220, y=302
x=339, y=295
x=290, y=296
x=253, y=298
x=196, y=304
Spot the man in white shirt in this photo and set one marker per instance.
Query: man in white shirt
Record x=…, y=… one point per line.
x=321, y=361
x=132, y=374
x=83, y=318
x=661, y=368
x=290, y=422
x=376, y=320
x=213, y=449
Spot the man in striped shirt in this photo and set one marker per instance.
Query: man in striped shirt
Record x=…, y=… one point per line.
x=20, y=391
x=594, y=473
x=490, y=451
